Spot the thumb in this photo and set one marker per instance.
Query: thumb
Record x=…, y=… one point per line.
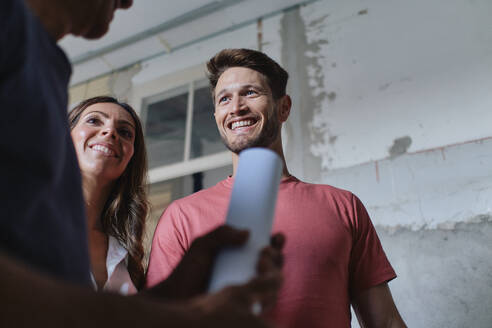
x=223, y=236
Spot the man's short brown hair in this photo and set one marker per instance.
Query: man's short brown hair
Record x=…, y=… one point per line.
x=275, y=75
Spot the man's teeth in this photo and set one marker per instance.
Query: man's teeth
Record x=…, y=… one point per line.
x=103, y=149
x=241, y=123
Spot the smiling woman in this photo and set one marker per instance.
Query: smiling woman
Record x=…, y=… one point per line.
x=108, y=140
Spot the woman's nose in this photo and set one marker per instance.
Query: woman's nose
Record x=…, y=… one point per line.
x=110, y=132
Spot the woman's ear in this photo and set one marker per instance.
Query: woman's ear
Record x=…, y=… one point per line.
x=284, y=105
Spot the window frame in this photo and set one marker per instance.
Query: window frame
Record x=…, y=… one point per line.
x=146, y=92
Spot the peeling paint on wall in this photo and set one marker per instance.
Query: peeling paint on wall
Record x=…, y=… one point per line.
x=389, y=75
x=300, y=67
x=444, y=276
x=384, y=86
x=443, y=226
x=363, y=12
x=120, y=82
x=423, y=190
x=400, y=146
x=315, y=46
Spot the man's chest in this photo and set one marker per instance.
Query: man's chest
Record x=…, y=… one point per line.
x=317, y=239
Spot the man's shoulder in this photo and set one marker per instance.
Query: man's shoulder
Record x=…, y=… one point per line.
x=220, y=189
x=197, y=213
x=13, y=26
x=320, y=190
x=215, y=197
x=10, y=7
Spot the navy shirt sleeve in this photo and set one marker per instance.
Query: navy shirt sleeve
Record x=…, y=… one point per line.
x=42, y=218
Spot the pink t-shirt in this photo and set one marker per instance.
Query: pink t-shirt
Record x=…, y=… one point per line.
x=332, y=250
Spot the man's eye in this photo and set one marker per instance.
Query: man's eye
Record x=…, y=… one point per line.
x=250, y=92
x=223, y=99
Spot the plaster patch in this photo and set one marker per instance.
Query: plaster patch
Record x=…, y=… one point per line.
x=400, y=146
x=299, y=59
x=384, y=86
x=451, y=268
x=443, y=226
x=322, y=138
x=120, y=82
x=319, y=21
x=332, y=96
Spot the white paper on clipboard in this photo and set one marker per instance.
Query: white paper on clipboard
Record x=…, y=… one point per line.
x=252, y=207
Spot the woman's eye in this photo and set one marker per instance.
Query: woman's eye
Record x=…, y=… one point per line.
x=92, y=120
x=126, y=133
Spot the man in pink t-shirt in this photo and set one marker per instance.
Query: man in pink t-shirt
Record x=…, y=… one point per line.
x=333, y=257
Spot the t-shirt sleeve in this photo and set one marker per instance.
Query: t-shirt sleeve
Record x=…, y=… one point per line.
x=168, y=246
x=369, y=265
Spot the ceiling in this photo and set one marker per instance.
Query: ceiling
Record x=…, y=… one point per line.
x=142, y=16
x=152, y=28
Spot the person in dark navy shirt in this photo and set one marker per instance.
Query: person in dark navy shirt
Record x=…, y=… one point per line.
x=43, y=217
x=44, y=266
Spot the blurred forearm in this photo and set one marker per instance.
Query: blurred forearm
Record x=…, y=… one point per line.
x=31, y=299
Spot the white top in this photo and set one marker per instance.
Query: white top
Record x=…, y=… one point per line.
x=116, y=265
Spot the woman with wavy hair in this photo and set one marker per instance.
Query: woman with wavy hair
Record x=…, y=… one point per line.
x=109, y=143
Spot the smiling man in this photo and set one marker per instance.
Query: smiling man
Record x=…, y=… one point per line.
x=333, y=257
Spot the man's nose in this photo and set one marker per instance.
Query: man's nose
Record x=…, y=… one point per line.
x=238, y=105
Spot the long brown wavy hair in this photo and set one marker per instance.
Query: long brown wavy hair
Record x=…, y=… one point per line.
x=126, y=209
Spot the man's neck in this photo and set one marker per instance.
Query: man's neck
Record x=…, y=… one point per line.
x=51, y=17
x=279, y=152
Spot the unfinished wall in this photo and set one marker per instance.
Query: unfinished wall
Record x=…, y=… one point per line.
x=399, y=111
x=385, y=70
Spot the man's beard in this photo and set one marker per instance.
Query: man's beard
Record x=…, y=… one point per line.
x=265, y=138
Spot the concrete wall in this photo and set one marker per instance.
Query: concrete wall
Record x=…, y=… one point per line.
x=398, y=111
x=391, y=100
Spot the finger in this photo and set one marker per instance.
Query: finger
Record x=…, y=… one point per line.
x=229, y=307
x=258, y=291
x=277, y=241
x=261, y=288
x=261, y=291
x=222, y=236
x=227, y=235
x=264, y=291
x=270, y=259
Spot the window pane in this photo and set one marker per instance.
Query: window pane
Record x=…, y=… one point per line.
x=205, y=138
x=165, y=129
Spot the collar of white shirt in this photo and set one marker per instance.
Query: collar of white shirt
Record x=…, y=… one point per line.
x=116, y=266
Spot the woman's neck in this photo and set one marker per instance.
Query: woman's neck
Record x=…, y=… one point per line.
x=96, y=195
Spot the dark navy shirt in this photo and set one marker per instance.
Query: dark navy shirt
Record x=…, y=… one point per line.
x=42, y=217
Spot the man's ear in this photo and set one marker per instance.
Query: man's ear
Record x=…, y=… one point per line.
x=284, y=105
